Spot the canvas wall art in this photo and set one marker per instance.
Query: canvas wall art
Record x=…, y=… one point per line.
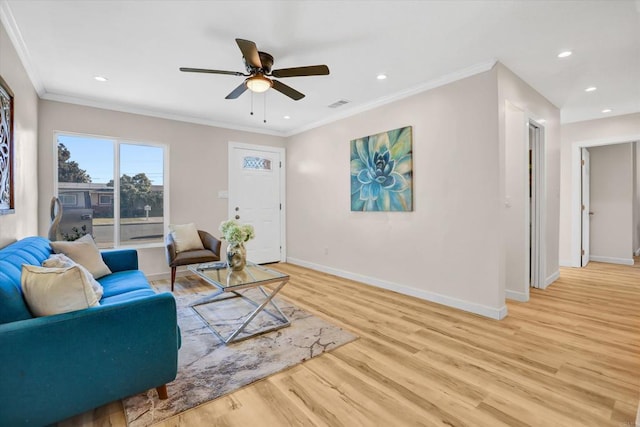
x=6, y=149
x=382, y=171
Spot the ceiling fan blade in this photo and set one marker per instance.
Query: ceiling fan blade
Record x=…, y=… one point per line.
x=204, y=70
x=250, y=52
x=287, y=90
x=312, y=70
x=237, y=91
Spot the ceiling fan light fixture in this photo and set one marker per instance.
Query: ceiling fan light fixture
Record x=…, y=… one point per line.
x=258, y=83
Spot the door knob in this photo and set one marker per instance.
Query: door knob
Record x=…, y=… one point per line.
x=237, y=208
x=590, y=213
x=237, y=216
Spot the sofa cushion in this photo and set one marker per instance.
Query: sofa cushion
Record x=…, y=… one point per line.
x=85, y=252
x=51, y=291
x=31, y=251
x=123, y=282
x=12, y=304
x=63, y=261
x=127, y=296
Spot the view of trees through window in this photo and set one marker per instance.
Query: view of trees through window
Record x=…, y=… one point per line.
x=89, y=196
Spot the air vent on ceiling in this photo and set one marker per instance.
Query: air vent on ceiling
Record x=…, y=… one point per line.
x=339, y=103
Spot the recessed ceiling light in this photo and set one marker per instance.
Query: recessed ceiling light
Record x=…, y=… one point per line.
x=381, y=76
x=564, y=54
x=100, y=78
x=286, y=117
x=590, y=89
x=607, y=110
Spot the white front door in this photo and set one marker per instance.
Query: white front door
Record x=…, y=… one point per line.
x=585, y=208
x=256, y=180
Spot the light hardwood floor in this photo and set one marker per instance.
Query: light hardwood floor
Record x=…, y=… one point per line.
x=568, y=357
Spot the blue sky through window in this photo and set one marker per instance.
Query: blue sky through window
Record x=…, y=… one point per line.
x=96, y=156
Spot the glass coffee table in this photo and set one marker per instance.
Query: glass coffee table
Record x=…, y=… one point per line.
x=235, y=284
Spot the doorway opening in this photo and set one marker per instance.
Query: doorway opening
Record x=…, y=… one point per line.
x=536, y=165
x=577, y=220
x=585, y=206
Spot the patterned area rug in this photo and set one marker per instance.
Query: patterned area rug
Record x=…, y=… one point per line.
x=208, y=369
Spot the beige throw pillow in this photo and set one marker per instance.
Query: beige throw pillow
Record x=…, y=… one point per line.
x=56, y=290
x=85, y=252
x=186, y=237
x=63, y=261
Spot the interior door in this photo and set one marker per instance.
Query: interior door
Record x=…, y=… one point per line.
x=585, y=207
x=255, y=197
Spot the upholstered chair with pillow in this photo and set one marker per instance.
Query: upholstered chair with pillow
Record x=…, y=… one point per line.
x=188, y=245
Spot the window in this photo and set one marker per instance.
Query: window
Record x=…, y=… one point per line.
x=113, y=211
x=105, y=199
x=68, y=200
x=257, y=163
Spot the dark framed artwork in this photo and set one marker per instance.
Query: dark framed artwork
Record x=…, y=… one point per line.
x=382, y=172
x=6, y=149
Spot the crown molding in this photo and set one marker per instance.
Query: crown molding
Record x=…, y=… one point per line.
x=6, y=16
x=423, y=87
x=432, y=84
x=10, y=25
x=441, y=81
x=152, y=113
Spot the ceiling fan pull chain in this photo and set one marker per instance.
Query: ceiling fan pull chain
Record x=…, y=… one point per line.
x=264, y=120
x=252, y=103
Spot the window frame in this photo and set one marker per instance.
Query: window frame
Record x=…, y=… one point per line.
x=117, y=142
x=74, y=196
x=107, y=203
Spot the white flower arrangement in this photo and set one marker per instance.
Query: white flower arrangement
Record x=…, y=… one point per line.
x=234, y=232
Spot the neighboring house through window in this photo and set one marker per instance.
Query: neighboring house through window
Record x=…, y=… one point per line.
x=113, y=211
x=68, y=200
x=105, y=199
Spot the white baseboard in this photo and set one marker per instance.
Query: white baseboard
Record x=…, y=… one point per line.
x=516, y=296
x=554, y=276
x=471, y=307
x=565, y=263
x=611, y=260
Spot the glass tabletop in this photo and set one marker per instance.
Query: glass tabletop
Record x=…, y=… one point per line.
x=223, y=277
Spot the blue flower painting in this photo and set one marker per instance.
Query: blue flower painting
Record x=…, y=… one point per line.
x=382, y=171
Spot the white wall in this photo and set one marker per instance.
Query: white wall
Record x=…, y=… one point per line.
x=616, y=129
x=515, y=204
x=23, y=222
x=518, y=102
x=635, y=231
x=198, y=162
x=611, y=201
x=449, y=248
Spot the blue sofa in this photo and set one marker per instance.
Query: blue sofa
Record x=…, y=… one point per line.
x=54, y=367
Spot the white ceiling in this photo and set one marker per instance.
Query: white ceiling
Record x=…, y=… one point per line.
x=139, y=46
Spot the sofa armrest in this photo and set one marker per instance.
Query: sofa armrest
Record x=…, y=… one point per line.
x=56, y=366
x=120, y=259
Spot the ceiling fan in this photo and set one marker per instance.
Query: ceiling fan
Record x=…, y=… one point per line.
x=259, y=73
